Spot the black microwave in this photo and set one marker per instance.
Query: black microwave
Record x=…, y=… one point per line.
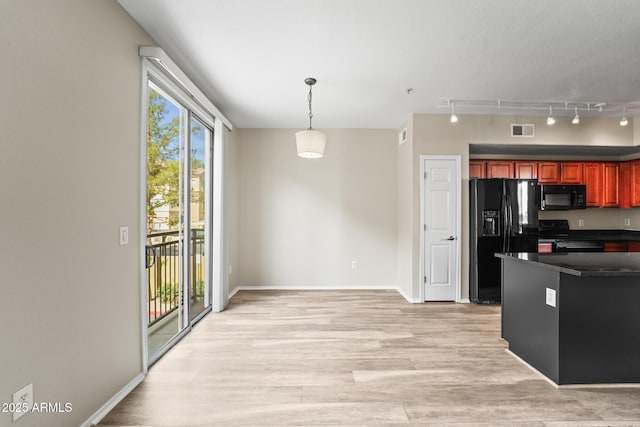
x=562, y=197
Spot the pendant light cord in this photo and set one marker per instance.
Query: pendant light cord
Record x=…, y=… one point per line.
x=310, y=113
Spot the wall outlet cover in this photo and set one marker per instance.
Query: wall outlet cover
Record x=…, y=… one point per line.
x=551, y=297
x=22, y=401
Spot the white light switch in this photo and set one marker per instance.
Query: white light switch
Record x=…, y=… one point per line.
x=551, y=297
x=627, y=222
x=124, y=236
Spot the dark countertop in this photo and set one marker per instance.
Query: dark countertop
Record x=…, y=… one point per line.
x=605, y=235
x=583, y=263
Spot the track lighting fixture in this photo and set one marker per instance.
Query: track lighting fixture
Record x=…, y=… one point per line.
x=454, y=118
x=576, y=118
x=550, y=119
x=623, y=120
x=590, y=109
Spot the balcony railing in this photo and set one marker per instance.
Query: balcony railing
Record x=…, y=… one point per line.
x=164, y=270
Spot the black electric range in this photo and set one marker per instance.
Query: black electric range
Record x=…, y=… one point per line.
x=557, y=233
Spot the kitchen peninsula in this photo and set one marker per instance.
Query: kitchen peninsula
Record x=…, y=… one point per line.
x=574, y=317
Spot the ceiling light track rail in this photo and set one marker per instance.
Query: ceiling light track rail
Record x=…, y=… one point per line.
x=570, y=107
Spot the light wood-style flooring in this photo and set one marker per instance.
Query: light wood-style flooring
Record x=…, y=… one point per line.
x=356, y=358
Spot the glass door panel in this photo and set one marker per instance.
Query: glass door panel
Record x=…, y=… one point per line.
x=165, y=240
x=199, y=295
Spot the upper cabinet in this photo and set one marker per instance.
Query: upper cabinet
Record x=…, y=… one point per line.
x=571, y=173
x=601, y=179
x=560, y=173
x=499, y=169
x=593, y=178
x=631, y=184
x=610, y=184
x=477, y=169
x=548, y=172
x=525, y=170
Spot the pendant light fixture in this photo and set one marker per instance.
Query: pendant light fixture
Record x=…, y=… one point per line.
x=310, y=143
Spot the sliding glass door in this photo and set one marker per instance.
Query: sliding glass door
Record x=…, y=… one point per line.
x=178, y=179
x=200, y=192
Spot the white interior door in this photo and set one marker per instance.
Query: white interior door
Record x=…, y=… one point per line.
x=441, y=227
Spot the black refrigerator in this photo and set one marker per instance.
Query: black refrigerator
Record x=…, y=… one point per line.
x=503, y=217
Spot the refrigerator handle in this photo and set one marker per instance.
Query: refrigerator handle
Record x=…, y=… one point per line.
x=509, y=223
x=503, y=222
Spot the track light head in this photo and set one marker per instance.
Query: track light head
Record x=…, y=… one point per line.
x=576, y=118
x=454, y=118
x=550, y=119
x=623, y=120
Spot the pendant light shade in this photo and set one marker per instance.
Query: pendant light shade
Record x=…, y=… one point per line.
x=310, y=143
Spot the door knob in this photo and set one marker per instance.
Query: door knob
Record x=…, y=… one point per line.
x=449, y=238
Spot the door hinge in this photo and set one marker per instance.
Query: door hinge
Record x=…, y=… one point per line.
x=425, y=175
x=425, y=227
x=425, y=279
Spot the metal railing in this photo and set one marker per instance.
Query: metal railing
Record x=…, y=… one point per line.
x=164, y=270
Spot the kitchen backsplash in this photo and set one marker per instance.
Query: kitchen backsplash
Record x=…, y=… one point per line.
x=597, y=218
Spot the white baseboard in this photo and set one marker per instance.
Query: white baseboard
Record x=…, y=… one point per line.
x=333, y=288
x=234, y=291
x=323, y=288
x=314, y=288
x=111, y=403
x=409, y=299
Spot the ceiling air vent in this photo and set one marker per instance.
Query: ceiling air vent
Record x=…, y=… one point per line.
x=522, y=131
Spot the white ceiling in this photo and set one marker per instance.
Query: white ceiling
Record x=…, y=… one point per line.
x=251, y=56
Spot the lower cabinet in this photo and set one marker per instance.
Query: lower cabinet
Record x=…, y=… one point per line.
x=616, y=246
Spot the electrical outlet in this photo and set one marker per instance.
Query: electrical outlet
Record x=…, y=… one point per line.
x=581, y=223
x=627, y=222
x=354, y=265
x=124, y=235
x=22, y=401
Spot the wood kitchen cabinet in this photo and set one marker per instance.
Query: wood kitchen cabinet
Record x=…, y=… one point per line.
x=525, y=170
x=630, y=184
x=548, y=172
x=610, y=185
x=633, y=246
x=615, y=246
x=499, y=169
x=571, y=173
x=594, y=178
x=634, y=175
x=477, y=169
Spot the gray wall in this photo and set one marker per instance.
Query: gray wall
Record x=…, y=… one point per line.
x=302, y=222
x=69, y=168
